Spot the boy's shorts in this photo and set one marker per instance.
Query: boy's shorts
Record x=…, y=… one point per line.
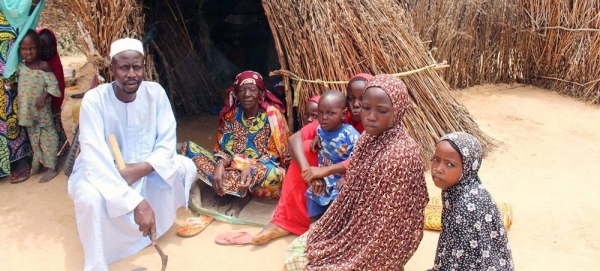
x=314, y=209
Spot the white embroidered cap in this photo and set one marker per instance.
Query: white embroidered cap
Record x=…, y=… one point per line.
x=125, y=44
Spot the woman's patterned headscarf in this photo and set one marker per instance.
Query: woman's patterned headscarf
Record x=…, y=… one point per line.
x=398, y=93
x=248, y=77
x=473, y=236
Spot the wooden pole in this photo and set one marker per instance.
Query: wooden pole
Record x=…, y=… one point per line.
x=282, y=61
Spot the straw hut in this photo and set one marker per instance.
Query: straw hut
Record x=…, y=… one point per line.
x=549, y=43
x=313, y=45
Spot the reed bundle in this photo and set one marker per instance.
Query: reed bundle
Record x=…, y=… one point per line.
x=100, y=22
x=554, y=44
x=478, y=38
x=181, y=61
x=564, y=42
x=332, y=40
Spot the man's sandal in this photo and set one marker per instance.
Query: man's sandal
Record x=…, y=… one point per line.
x=194, y=226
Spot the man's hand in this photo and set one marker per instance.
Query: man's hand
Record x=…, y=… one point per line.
x=312, y=173
x=315, y=144
x=245, y=180
x=133, y=172
x=144, y=217
x=39, y=103
x=318, y=186
x=218, y=176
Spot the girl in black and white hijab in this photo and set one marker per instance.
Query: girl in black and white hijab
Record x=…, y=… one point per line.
x=473, y=236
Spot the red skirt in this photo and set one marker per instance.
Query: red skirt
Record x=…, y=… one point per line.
x=291, y=213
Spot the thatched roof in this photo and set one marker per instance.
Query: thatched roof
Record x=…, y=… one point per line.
x=332, y=40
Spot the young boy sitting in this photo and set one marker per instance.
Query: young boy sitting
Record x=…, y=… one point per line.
x=336, y=139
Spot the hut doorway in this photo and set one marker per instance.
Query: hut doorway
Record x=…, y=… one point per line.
x=201, y=45
x=240, y=38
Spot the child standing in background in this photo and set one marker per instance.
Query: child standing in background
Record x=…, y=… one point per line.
x=48, y=52
x=36, y=84
x=336, y=140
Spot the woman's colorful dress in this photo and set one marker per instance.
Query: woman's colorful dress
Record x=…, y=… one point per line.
x=14, y=142
x=244, y=143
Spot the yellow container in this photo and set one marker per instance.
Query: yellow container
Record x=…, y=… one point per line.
x=433, y=214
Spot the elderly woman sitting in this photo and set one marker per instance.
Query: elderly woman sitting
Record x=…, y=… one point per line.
x=251, y=147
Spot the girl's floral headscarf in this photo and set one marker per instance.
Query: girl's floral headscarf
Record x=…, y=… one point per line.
x=473, y=236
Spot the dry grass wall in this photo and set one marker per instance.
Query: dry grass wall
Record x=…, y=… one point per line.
x=549, y=43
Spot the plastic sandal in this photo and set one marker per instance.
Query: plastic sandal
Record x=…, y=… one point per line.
x=234, y=239
x=194, y=226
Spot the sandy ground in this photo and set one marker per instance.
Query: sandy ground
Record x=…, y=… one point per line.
x=543, y=167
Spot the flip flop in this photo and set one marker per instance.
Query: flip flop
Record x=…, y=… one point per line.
x=234, y=239
x=194, y=226
x=21, y=176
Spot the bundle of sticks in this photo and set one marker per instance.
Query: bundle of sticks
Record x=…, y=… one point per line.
x=332, y=40
x=180, y=45
x=479, y=39
x=549, y=43
x=100, y=22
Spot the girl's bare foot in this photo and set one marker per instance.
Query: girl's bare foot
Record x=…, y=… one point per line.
x=49, y=175
x=269, y=232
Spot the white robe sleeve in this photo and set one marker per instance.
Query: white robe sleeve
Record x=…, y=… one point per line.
x=97, y=160
x=161, y=158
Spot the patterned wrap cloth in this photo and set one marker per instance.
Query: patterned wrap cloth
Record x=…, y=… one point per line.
x=473, y=236
x=14, y=142
x=376, y=223
x=261, y=144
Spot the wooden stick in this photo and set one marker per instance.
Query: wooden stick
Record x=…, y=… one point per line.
x=114, y=147
x=567, y=29
x=286, y=83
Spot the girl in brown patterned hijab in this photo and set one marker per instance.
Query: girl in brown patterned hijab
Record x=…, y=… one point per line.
x=376, y=223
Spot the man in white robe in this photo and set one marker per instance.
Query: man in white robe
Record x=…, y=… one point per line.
x=116, y=210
